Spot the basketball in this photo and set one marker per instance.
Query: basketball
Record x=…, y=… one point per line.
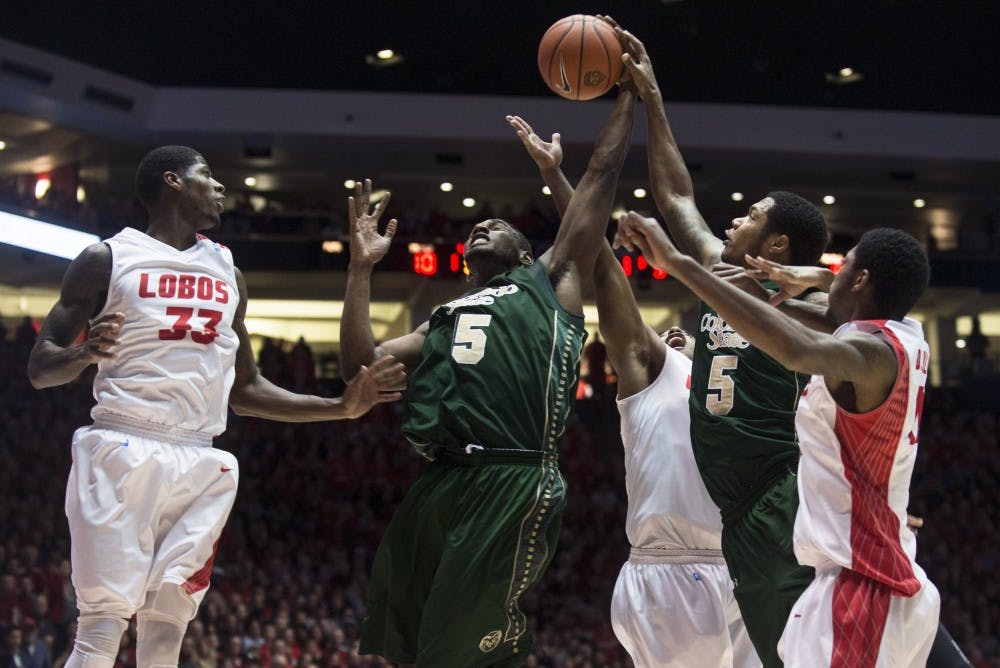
x=580, y=57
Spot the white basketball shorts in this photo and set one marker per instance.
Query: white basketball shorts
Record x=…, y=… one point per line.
x=844, y=619
x=143, y=512
x=679, y=615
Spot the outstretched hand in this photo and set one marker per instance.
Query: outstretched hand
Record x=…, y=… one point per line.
x=367, y=245
x=375, y=384
x=102, y=336
x=638, y=67
x=646, y=234
x=792, y=281
x=546, y=154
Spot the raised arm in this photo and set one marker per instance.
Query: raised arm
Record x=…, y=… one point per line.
x=55, y=359
x=254, y=395
x=634, y=349
x=548, y=156
x=669, y=179
x=357, y=343
x=570, y=261
x=860, y=359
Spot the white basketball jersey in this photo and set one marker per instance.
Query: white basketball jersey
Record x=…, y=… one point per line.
x=175, y=364
x=668, y=505
x=854, y=475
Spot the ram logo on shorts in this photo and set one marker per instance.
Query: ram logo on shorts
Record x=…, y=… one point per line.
x=490, y=641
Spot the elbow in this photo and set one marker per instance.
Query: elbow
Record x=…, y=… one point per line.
x=35, y=376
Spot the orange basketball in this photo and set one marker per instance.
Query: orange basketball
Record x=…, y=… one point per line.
x=580, y=58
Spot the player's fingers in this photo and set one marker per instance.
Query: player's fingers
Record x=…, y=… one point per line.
x=390, y=229
x=380, y=207
x=352, y=217
x=779, y=297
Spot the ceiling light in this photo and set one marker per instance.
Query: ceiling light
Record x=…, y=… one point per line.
x=736, y=197
x=43, y=237
x=829, y=199
x=250, y=182
x=42, y=186
x=446, y=187
x=546, y=190
x=619, y=213
x=919, y=203
x=639, y=193
x=3, y=145
x=81, y=194
x=844, y=75
x=468, y=202
x=959, y=343
x=383, y=58
x=350, y=183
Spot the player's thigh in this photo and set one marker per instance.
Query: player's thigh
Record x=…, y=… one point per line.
x=203, y=484
x=112, y=500
x=496, y=553
x=672, y=615
x=911, y=626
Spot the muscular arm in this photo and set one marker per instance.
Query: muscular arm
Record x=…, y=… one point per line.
x=860, y=359
x=669, y=179
x=357, y=343
x=54, y=359
x=581, y=234
x=254, y=395
x=634, y=349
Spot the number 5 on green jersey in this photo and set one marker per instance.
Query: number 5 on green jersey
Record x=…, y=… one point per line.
x=469, y=344
x=721, y=384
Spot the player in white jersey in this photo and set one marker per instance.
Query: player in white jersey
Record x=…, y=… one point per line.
x=148, y=495
x=870, y=603
x=673, y=604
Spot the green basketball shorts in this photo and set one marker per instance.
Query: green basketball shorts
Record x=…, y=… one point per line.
x=473, y=535
x=767, y=579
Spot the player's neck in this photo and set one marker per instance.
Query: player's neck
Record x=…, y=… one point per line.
x=169, y=228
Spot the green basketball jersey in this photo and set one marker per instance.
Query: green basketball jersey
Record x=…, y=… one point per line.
x=499, y=368
x=742, y=412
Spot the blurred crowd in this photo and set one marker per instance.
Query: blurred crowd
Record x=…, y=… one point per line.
x=289, y=579
x=253, y=214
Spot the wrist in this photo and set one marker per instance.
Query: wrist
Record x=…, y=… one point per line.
x=357, y=265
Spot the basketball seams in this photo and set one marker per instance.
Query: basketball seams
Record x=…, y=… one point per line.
x=558, y=44
x=564, y=63
x=607, y=56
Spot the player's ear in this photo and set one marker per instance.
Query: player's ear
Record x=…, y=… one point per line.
x=173, y=180
x=778, y=244
x=526, y=259
x=861, y=281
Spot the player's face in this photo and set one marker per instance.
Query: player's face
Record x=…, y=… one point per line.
x=495, y=238
x=747, y=233
x=203, y=195
x=679, y=340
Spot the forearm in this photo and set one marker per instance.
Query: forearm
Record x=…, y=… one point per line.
x=560, y=187
x=618, y=313
x=813, y=316
x=261, y=398
x=357, y=342
x=765, y=327
x=51, y=365
x=673, y=190
x=581, y=232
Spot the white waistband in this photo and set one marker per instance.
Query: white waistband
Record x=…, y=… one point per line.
x=159, y=432
x=671, y=555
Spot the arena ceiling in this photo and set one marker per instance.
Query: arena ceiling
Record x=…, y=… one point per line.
x=918, y=55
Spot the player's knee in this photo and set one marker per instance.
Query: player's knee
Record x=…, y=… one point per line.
x=97, y=639
x=169, y=604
